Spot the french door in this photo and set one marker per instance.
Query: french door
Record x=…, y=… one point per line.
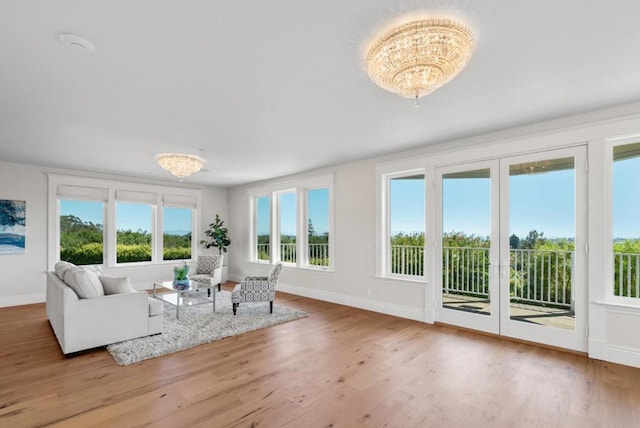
x=511, y=247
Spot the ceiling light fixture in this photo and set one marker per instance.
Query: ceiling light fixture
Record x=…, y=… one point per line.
x=179, y=164
x=77, y=43
x=416, y=58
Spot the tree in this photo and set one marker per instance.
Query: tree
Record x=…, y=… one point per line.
x=310, y=229
x=514, y=242
x=532, y=240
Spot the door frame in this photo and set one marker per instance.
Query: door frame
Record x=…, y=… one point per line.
x=575, y=339
x=499, y=322
x=487, y=323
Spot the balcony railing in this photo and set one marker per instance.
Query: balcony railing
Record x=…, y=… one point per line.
x=542, y=277
x=626, y=274
x=539, y=277
x=407, y=260
x=264, y=251
x=465, y=271
x=288, y=252
x=318, y=253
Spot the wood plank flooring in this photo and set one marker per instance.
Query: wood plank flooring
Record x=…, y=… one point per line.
x=340, y=367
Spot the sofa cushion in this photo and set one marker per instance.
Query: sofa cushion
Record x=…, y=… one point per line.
x=62, y=267
x=113, y=285
x=155, y=307
x=85, y=283
x=201, y=278
x=95, y=268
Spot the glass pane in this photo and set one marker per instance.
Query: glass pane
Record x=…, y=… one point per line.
x=134, y=223
x=288, y=226
x=466, y=232
x=542, y=242
x=263, y=227
x=318, y=226
x=176, y=233
x=625, y=227
x=406, y=200
x=81, y=232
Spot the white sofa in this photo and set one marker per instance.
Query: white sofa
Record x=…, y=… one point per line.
x=85, y=323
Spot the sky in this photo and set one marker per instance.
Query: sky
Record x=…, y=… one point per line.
x=129, y=216
x=318, y=212
x=543, y=202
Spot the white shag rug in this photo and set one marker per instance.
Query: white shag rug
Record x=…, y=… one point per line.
x=198, y=325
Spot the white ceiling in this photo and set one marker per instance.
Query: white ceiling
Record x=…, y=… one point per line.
x=269, y=88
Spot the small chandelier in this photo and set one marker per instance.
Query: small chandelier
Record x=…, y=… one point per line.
x=416, y=58
x=179, y=164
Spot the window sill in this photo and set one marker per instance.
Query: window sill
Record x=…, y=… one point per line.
x=294, y=266
x=408, y=282
x=619, y=304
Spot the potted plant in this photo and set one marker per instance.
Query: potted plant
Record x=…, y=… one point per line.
x=181, y=277
x=217, y=236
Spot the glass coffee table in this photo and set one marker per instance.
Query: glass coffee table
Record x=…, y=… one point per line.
x=182, y=297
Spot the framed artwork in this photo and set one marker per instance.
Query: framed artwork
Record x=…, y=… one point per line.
x=12, y=226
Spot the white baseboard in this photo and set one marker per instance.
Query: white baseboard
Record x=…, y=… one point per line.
x=614, y=353
x=356, y=302
x=22, y=299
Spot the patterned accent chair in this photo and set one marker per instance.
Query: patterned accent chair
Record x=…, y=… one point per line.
x=208, y=272
x=257, y=289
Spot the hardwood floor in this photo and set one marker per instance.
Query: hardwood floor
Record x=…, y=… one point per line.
x=340, y=367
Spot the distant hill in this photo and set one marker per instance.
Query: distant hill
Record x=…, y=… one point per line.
x=177, y=232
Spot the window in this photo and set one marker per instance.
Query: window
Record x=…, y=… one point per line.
x=406, y=225
x=287, y=203
x=96, y=221
x=177, y=228
x=263, y=228
x=625, y=226
x=81, y=231
x=318, y=227
x=133, y=232
x=293, y=224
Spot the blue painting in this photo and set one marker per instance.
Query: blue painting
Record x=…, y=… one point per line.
x=12, y=226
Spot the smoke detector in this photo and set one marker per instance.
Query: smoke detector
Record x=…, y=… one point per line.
x=77, y=43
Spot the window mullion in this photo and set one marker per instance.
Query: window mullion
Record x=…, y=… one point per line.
x=110, y=246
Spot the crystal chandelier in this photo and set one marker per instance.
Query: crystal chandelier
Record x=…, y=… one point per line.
x=416, y=58
x=179, y=164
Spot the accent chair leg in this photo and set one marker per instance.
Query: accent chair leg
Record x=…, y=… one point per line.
x=235, y=306
x=219, y=285
x=208, y=292
x=271, y=307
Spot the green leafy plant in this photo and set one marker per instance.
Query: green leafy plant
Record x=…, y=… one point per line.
x=217, y=236
x=181, y=272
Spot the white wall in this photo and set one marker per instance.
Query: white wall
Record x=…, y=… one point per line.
x=23, y=275
x=353, y=280
x=22, y=280
x=612, y=326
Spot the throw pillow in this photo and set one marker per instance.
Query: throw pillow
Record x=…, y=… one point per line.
x=95, y=269
x=85, y=283
x=114, y=285
x=61, y=268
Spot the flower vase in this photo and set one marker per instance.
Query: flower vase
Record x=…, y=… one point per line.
x=180, y=277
